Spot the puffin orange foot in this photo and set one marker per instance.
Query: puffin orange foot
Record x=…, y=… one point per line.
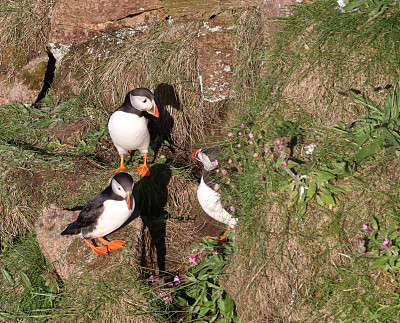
x=143, y=170
x=117, y=169
x=115, y=244
x=220, y=239
x=101, y=250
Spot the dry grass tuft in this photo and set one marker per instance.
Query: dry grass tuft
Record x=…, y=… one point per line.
x=163, y=59
x=18, y=42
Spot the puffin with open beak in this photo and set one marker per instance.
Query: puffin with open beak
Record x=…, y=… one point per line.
x=209, y=199
x=128, y=126
x=105, y=213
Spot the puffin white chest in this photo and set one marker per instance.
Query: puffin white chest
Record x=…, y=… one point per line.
x=128, y=132
x=115, y=214
x=210, y=202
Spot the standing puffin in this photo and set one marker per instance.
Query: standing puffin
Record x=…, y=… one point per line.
x=209, y=199
x=128, y=126
x=105, y=213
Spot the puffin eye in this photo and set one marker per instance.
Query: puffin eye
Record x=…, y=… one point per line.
x=145, y=100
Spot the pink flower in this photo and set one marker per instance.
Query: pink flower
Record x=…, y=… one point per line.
x=255, y=155
x=242, y=126
x=170, y=285
x=276, y=147
x=230, y=134
x=239, y=146
x=151, y=277
x=240, y=133
x=230, y=161
x=367, y=228
x=284, y=164
x=215, y=294
x=167, y=299
x=162, y=293
x=266, y=149
x=224, y=171
x=192, y=260
x=251, y=142
x=215, y=162
x=232, y=209
x=216, y=187
x=251, y=136
x=177, y=280
x=261, y=178
x=385, y=243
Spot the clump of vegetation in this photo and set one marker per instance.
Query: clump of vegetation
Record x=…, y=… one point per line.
x=198, y=292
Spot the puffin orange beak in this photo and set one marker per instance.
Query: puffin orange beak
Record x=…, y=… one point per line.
x=155, y=113
x=128, y=200
x=194, y=154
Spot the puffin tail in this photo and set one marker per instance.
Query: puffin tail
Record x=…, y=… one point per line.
x=72, y=229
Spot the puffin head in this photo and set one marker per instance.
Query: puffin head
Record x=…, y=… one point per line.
x=208, y=157
x=142, y=99
x=122, y=185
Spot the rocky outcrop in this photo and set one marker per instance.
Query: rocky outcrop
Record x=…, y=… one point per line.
x=27, y=83
x=71, y=256
x=77, y=20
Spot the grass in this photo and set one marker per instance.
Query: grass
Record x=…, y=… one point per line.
x=290, y=267
x=17, y=42
x=311, y=261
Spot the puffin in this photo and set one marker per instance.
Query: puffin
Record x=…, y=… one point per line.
x=105, y=213
x=209, y=199
x=128, y=126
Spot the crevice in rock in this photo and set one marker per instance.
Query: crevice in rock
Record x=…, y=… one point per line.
x=136, y=14
x=48, y=77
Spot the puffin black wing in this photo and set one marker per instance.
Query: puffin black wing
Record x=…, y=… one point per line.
x=91, y=211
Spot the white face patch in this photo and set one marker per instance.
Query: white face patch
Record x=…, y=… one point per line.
x=141, y=103
x=117, y=188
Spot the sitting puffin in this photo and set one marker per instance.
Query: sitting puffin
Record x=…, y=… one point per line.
x=209, y=199
x=128, y=126
x=105, y=213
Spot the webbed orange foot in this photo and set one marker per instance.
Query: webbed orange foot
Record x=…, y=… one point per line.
x=101, y=250
x=143, y=170
x=117, y=169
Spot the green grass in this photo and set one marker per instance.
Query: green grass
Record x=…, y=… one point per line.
x=312, y=261
x=289, y=267
x=30, y=287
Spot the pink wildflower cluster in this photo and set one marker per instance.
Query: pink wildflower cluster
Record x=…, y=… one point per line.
x=196, y=258
x=167, y=298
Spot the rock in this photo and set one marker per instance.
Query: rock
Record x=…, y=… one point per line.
x=272, y=11
x=77, y=21
x=215, y=50
x=184, y=10
x=71, y=256
x=26, y=85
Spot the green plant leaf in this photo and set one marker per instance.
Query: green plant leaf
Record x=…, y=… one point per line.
x=369, y=150
x=374, y=223
x=380, y=263
x=325, y=175
x=7, y=277
x=312, y=188
x=25, y=280
x=327, y=197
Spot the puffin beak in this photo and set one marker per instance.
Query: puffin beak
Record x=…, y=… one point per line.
x=154, y=110
x=128, y=200
x=194, y=154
